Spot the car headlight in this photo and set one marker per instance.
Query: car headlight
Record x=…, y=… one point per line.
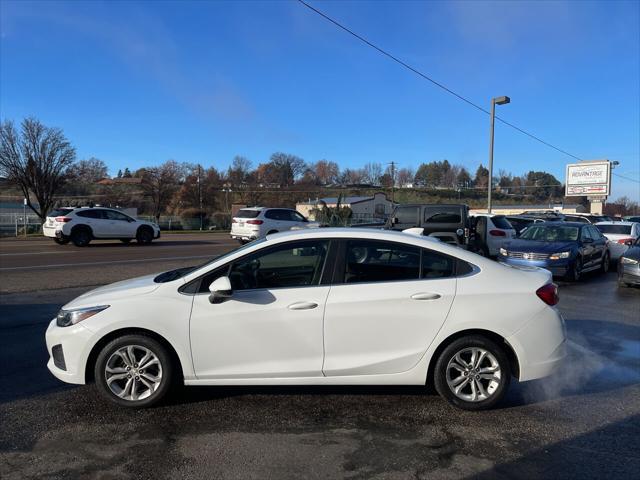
x=503, y=251
x=559, y=255
x=628, y=261
x=66, y=318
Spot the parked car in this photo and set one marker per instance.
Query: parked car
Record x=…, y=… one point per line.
x=449, y=223
x=521, y=222
x=257, y=222
x=587, y=218
x=81, y=225
x=566, y=249
x=629, y=266
x=621, y=236
x=316, y=306
x=490, y=232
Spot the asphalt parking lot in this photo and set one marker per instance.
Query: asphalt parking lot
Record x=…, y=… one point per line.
x=584, y=422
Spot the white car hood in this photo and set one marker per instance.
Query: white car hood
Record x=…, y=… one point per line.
x=115, y=291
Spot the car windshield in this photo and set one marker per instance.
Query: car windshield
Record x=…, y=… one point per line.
x=172, y=275
x=247, y=213
x=615, y=229
x=550, y=233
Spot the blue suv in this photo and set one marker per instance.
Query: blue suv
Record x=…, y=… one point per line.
x=566, y=249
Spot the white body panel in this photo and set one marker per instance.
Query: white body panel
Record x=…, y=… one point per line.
x=368, y=333
x=616, y=250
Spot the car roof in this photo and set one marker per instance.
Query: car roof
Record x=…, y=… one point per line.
x=617, y=223
x=563, y=224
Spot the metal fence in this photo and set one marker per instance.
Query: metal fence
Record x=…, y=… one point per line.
x=16, y=224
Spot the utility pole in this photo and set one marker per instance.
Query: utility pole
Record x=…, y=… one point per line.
x=393, y=181
x=494, y=102
x=200, y=195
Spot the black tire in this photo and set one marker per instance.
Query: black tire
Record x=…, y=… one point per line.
x=575, y=271
x=125, y=240
x=144, y=235
x=621, y=282
x=81, y=236
x=139, y=342
x=605, y=264
x=495, y=387
x=62, y=241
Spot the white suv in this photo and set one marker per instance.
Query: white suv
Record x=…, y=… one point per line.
x=81, y=225
x=257, y=222
x=491, y=232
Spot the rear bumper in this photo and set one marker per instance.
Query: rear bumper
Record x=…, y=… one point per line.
x=540, y=345
x=51, y=232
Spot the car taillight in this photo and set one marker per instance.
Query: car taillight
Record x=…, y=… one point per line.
x=549, y=294
x=626, y=241
x=63, y=219
x=255, y=222
x=497, y=233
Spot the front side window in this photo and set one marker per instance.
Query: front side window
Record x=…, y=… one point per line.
x=293, y=264
x=113, y=215
x=376, y=261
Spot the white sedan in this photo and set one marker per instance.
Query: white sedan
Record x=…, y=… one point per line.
x=317, y=307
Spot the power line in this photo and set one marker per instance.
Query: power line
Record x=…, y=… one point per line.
x=442, y=86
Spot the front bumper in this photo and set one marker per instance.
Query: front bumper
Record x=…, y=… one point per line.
x=71, y=351
x=558, y=268
x=629, y=273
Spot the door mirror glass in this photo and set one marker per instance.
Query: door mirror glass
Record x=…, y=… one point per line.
x=220, y=290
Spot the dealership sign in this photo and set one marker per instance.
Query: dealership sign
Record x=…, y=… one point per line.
x=588, y=178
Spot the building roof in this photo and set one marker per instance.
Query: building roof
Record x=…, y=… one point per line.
x=344, y=200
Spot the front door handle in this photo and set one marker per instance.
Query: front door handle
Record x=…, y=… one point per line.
x=425, y=296
x=302, y=306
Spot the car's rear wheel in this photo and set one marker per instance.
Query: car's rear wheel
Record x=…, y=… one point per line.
x=61, y=241
x=472, y=373
x=605, y=264
x=144, y=235
x=134, y=371
x=81, y=236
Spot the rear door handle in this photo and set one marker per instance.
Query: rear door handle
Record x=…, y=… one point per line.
x=425, y=296
x=302, y=306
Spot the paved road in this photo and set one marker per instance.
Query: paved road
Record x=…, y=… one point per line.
x=582, y=423
x=37, y=264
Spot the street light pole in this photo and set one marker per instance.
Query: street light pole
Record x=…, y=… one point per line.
x=494, y=101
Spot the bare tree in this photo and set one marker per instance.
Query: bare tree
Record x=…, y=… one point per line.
x=404, y=177
x=372, y=172
x=160, y=184
x=36, y=160
x=239, y=170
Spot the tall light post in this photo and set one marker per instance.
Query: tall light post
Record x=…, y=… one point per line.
x=494, y=101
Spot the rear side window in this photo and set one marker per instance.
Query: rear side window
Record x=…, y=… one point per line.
x=407, y=215
x=60, y=212
x=615, y=229
x=442, y=217
x=247, y=213
x=501, y=221
x=376, y=261
x=89, y=214
x=436, y=265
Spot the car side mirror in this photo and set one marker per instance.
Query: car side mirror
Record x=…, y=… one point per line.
x=221, y=290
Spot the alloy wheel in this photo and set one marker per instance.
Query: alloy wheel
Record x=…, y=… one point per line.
x=133, y=372
x=473, y=374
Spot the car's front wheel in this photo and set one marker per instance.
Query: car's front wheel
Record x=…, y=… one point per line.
x=473, y=373
x=575, y=271
x=134, y=371
x=606, y=263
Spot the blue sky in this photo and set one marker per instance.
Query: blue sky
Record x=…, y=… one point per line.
x=137, y=83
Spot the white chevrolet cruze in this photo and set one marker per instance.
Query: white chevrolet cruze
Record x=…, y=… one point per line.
x=317, y=307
